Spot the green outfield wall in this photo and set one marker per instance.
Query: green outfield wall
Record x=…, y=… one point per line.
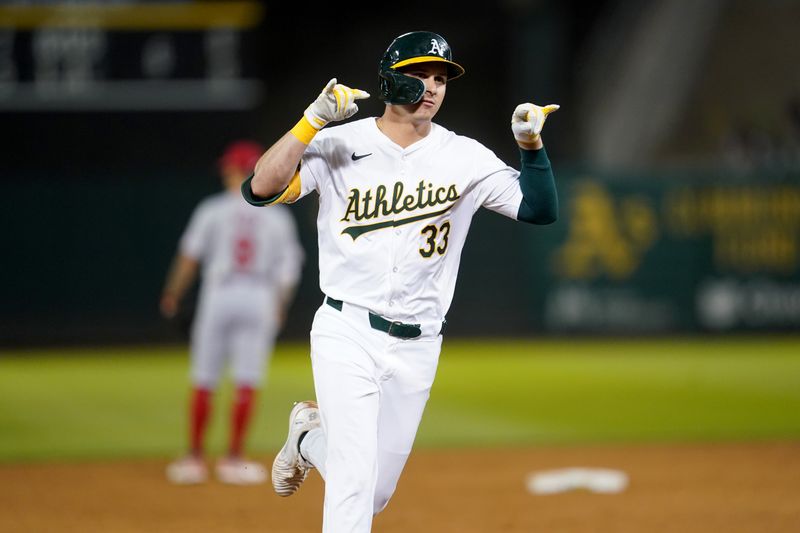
x=671, y=251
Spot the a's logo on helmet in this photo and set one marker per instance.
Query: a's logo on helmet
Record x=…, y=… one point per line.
x=436, y=48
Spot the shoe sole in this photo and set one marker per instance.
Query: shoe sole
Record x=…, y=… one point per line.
x=286, y=486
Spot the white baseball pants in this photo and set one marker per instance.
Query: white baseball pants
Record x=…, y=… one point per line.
x=372, y=389
x=235, y=324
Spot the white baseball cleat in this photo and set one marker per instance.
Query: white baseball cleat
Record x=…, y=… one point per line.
x=240, y=472
x=187, y=471
x=289, y=469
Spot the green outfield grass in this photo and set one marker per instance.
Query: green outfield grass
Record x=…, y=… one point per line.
x=113, y=403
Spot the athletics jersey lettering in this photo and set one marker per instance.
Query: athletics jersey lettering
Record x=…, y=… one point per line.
x=366, y=206
x=355, y=231
x=391, y=226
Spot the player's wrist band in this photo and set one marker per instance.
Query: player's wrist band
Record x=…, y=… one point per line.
x=304, y=131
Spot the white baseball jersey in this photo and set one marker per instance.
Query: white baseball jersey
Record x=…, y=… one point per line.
x=392, y=221
x=248, y=256
x=232, y=239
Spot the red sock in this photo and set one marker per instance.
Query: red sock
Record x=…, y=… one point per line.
x=199, y=414
x=240, y=418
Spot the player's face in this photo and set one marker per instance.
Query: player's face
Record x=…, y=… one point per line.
x=434, y=76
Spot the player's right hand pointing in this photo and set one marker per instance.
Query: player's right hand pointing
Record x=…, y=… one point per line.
x=527, y=121
x=335, y=102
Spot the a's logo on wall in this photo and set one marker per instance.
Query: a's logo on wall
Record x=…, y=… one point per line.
x=436, y=48
x=607, y=235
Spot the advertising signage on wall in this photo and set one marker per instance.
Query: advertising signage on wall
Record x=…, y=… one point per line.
x=661, y=254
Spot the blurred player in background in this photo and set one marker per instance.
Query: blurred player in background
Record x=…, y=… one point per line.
x=251, y=261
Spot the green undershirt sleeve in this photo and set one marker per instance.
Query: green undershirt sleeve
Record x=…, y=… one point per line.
x=539, y=197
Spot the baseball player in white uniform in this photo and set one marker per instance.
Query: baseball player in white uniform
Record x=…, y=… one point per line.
x=251, y=260
x=396, y=197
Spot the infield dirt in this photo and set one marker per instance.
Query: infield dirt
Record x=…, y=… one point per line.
x=731, y=488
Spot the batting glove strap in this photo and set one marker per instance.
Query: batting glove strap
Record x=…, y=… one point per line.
x=528, y=120
x=335, y=102
x=304, y=131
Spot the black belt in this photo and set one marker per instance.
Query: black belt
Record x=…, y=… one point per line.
x=395, y=329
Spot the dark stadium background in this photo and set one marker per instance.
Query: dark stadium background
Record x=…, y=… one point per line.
x=94, y=198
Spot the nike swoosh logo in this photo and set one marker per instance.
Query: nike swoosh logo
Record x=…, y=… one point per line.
x=355, y=157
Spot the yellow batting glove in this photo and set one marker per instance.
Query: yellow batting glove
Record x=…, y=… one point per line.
x=527, y=121
x=335, y=102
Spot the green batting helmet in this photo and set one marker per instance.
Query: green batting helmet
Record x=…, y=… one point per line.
x=408, y=49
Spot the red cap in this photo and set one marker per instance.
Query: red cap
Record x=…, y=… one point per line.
x=242, y=155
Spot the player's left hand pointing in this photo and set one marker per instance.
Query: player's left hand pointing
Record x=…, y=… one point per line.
x=527, y=121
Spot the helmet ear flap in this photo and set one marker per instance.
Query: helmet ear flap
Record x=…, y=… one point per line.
x=399, y=89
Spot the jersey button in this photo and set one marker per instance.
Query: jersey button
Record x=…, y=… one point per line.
x=397, y=232
x=394, y=269
x=391, y=304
